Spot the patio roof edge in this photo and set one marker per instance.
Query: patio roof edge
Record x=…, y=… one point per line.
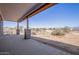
x=38, y=8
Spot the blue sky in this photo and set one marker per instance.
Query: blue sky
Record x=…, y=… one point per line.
x=59, y=15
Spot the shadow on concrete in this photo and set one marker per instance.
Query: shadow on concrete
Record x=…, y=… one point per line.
x=16, y=45
x=62, y=46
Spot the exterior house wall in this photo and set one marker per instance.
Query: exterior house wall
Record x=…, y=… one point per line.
x=1, y=25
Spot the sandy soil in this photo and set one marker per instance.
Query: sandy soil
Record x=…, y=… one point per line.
x=70, y=38
x=69, y=42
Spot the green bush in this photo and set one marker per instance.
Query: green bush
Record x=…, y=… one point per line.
x=58, y=32
x=61, y=31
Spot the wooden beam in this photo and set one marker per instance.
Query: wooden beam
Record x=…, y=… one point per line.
x=43, y=7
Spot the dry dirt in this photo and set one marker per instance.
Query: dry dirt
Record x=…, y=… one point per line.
x=70, y=38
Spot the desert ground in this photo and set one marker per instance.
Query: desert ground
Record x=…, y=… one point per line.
x=68, y=42
x=70, y=38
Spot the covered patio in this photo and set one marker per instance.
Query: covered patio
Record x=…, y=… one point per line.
x=18, y=44
x=17, y=12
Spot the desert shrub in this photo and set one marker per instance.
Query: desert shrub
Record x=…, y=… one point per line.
x=33, y=33
x=58, y=32
x=66, y=29
x=61, y=31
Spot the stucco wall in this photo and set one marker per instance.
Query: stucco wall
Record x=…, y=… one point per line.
x=1, y=25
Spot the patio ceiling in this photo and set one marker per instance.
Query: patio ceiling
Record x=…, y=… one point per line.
x=19, y=11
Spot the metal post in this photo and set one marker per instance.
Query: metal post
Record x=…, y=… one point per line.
x=27, y=30
x=27, y=22
x=17, y=31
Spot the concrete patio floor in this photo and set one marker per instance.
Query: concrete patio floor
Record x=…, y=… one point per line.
x=16, y=45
